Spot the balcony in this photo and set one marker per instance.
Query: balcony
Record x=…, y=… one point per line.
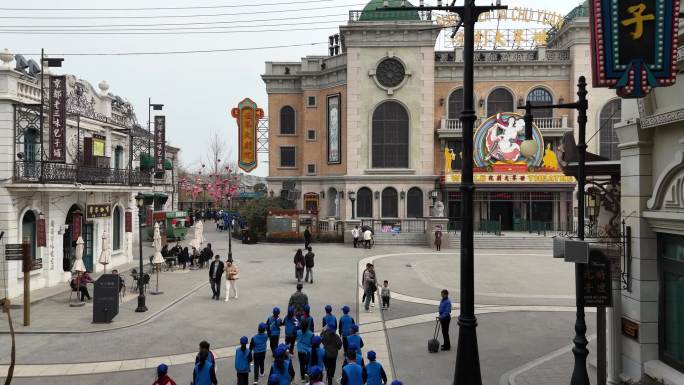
x=555, y=126
x=62, y=173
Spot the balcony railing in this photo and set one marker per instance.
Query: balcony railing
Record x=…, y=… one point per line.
x=31, y=172
x=542, y=123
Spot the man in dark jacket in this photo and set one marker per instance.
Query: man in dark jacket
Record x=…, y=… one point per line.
x=307, y=237
x=215, y=273
x=332, y=343
x=298, y=300
x=309, y=263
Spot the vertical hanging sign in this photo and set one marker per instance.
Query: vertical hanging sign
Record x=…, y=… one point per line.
x=128, y=222
x=247, y=115
x=41, y=240
x=334, y=127
x=159, y=142
x=57, y=119
x=634, y=45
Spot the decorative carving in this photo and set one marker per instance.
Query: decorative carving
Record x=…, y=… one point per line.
x=390, y=72
x=668, y=192
x=664, y=118
x=608, y=194
x=80, y=102
x=438, y=210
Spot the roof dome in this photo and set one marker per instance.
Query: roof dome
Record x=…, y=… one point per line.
x=370, y=12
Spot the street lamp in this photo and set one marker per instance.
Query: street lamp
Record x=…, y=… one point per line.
x=433, y=196
x=230, y=232
x=352, y=198
x=140, y=201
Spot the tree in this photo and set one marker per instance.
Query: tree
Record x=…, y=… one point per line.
x=217, y=154
x=256, y=211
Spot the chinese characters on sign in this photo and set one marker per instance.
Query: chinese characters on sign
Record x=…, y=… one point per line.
x=334, y=136
x=159, y=142
x=247, y=115
x=529, y=178
x=596, y=281
x=634, y=44
x=41, y=240
x=57, y=118
x=98, y=211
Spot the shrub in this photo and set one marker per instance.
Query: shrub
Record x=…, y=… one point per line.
x=255, y=211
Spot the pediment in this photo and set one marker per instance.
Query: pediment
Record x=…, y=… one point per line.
x=668, y=192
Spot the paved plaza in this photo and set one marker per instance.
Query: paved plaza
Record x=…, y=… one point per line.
x=524, y=306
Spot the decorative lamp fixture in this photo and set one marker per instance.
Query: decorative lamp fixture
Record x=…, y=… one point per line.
x=322, y=194
x=481, y=102
x=140, y=200
x=377, y=194
x=441, y=102
x=521, y=101
x=385, y=3
x=433, y=194
x=352, y=195
x=341, y=194
x=561, y=100
x=402, y=194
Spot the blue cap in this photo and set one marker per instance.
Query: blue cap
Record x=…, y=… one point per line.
x=345, y=309
x=275, y=379
x=328, y=308
x=291, y=309
x=315, y=371
x=397, y=382
x=243, y=340
x=316, y=340
x=262, y=327
x=371, y=355
x=162, y=369
x=352, y=347
x=280, y=351
x=307, y=308
x=276, y=310
x=355, y=328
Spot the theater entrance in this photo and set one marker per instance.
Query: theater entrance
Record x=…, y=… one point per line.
x=503, y=213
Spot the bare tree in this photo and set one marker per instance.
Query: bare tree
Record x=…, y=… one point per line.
x=216, y=154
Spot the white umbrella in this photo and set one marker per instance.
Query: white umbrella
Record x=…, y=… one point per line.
x=78, y=264
x=106, y=253
x=200, y=232
x=158, y=259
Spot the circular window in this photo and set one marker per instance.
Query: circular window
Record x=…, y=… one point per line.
x=390, y=73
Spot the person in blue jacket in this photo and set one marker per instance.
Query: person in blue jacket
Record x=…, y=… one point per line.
x=204, y=372
x=273, y=379
x=355, y=352
x=291, y=324
x=375, y=373
x=445, y=318
x=329, y=320
x=274, y=323
x=258, y=348
x=243, y=357
x=306, y=316
x=355, y=338
x=317, y=353
x=304, y=337
x=397, y=382
x=353, y=373
x=282, y=367
x=346, y=321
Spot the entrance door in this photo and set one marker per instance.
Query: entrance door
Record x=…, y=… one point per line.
x=502, y=211
x=454, y=215
x=88, y=250
x=542, y=211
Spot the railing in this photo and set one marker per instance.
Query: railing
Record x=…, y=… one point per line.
x=71, y=173
x=542, y=123
x=490, y=226
x=455, y=124
x=380, y=15
x=325, y=226
x=395, y=225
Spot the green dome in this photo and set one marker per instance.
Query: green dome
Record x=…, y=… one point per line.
x=370, y=12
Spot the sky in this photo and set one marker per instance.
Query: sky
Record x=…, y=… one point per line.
x=199, y=89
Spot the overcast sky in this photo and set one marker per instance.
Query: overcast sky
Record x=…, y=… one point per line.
x=198, y=90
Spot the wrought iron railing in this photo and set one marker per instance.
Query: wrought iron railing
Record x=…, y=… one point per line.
x=50, y=172
x=391, y=225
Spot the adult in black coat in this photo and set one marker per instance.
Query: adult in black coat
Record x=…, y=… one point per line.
x=216, y=270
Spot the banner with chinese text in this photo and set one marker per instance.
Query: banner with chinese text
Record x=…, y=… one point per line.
x=159, y=143
x=57, y=119
x=247, y=115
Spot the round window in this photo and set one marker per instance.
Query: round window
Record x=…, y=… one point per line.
x=390, y=73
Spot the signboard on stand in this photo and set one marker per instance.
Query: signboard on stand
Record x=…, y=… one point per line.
x=247, y=115
x=14, y=251
x=596, y=283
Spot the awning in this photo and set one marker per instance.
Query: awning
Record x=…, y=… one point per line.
x=168, y=164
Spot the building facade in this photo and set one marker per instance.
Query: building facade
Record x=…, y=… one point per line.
x=49, y=204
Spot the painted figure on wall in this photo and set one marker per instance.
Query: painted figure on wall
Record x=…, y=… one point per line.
x=449, y=157
x=550, y=161
x=503, y=143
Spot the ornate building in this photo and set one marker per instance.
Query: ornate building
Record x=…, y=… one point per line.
x=378, y=117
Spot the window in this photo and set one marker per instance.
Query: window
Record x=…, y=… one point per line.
x=287, y=121
x=541, y=97
x=390, y=203
x=414, y=203
x=499, y=100
x=610, y=115
x=364, y=203
x=118, y=158
x=31, y=145
x=28, y=231
x=390, y=136
x=311, y=169
x=311, y=101
x=116, y=228
x=455, y=105
x=311, y=134
x=287, y=157
x=671, y=335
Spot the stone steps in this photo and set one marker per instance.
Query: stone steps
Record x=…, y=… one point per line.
x=505, y=241
x=402, y=239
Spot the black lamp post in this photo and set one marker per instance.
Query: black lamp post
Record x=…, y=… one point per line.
x=352, y=198
x=579, y=372
x=230, y=233
x=467, y=370
x=140, y=200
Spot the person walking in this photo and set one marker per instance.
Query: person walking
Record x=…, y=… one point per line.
x=162, y=376
x=215, y=274
x=232, y=276
x=353, y=373
x=445, y=318
x=355, y=235
x=282, y=367
x=299, y=262
x=332, y=343
x=367, y=237
x=304, y=337
x=438, y=239
x=369, y=286
x=355, y=339
x=298, y=300
x=307, y=237
x=329, y=319
x=317, y=354
x=309, y=264
x=258, y=346
x=243, y=357
x=273, y=322
x=306, y=317
x=354, y=355
x=346, y=322
x=291, y=324
x=204, y=372
x=316, y=376
x=374, y=371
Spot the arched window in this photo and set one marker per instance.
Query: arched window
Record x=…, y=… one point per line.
x=364, y=203
x=455, y=105
x=118, y=157
x=414, y=203
x=31, y=145
x=287, y=121
x=390, y=203
x=28, y=231
x=116, y=228
x=610, y=115
x=541, y=97
x=390, y=136
x=499, y=100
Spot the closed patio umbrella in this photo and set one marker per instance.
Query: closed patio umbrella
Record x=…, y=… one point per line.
x=106, y=253
x=78, y=268
x=158, y=259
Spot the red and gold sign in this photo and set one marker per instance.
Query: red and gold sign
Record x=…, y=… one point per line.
x=247, y=115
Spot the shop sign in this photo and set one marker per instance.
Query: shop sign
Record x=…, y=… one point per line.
x=596, y=283
x=634, y=45
x=630, y=329
x=76, y=223
x=99, y=144
x=128, y=222
x=518, y=178
x=57, y=119
x=15, y=251
x=98, y=211
x=247, y=115
x=32, y=264
x=159, y=142
x=41, y=240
